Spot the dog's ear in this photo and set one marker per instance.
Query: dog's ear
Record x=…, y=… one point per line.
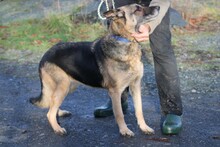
x=114, y=13
x=109, y=14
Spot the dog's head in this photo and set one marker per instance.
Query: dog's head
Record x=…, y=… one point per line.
x=127, y=19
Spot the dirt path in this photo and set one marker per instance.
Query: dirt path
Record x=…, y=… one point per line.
x=22, y=124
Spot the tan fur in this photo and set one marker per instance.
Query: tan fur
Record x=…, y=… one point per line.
x=121, y=69
x=132, y=76
x=56, y=85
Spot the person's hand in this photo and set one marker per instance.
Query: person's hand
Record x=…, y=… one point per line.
x=143, y=34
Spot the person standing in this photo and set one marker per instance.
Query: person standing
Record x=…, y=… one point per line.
x=166, y=73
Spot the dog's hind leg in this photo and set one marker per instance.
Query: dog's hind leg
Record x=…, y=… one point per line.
x=58, y=96
x=135, y=89
x=115, y=95
x=59, y=87
x=63, y=113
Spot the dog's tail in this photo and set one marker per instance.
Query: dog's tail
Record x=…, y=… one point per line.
x=41, y=100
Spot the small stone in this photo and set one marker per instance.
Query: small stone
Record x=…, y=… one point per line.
x=193, y=91
x=42, y=134
x=24, y=131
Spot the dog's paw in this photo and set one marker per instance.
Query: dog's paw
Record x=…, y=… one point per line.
x=147, y=130
x=61, y=131
x=64, y=113
x=126, y=132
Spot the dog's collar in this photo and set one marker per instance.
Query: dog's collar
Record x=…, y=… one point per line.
x=119, y=38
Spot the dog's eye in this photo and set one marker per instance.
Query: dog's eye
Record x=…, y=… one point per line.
x=138, y=8
x=120, y=13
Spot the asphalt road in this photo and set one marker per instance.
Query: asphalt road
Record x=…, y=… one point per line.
x=22, y=124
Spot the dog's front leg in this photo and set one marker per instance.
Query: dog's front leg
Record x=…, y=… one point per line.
x=117, y=109
x=135, y=89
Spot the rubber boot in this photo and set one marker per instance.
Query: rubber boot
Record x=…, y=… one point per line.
x=172, y=124
x=106, y=110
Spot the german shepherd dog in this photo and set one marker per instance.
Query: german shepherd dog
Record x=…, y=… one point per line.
x=112, y=62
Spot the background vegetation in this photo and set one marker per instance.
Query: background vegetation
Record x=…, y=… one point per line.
x=40, y=34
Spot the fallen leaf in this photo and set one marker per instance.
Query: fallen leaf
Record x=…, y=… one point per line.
x=33, y=35
x=159, y=139
x=39, y=42
x=55, y=40
x=2, y=27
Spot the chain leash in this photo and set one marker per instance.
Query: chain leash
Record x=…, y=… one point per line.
x=107, y=8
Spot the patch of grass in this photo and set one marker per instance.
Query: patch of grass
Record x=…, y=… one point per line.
x=39, y=35
x=199, y=50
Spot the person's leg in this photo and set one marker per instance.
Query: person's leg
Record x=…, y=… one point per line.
x=166, y=75
x=106, y=109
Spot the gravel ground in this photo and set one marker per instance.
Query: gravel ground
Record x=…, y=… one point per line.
x=22, y=124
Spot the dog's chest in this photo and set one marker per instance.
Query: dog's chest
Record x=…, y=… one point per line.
x=127, y=64
x=122, y=52
x=117, y=73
